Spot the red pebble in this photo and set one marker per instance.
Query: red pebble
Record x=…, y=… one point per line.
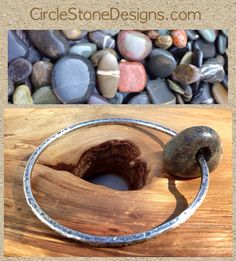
x=179, y=38
x=133, y=77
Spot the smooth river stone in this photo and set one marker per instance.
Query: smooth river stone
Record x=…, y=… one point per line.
x=197, y=58
x=97, y=56
x=208, y=49
x=187, y=58
x=73, y=79
x=16, y=47
x=186, y=74
x=159, y=92
x=179, y=156
x=97, y=99
x=41, y=74
x=212, y=71
x=108, y=75
x=203, y=96
x=102, y=40
x=179, y=38
x=133, y=45
x=220, y=93
x=161, y=63
x=163, y=41
x=208, y=35
x=118, y=98
x=73, y=34
x=84, y=49
x=111, y=32
x=152, y=34
x=45, y=95
x=22, y=95
x=221, y=43
x=51, y=43
x=10, y=86
x=192, y=35
x=133, y=77
x=19, y=70
x=175, y=87
x=141, y=98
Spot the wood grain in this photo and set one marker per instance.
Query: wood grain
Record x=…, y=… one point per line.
x=95, y=209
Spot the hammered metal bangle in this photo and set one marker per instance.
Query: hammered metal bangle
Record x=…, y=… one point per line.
x=104, y=241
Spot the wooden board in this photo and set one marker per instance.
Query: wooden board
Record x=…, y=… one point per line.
x=99, y=210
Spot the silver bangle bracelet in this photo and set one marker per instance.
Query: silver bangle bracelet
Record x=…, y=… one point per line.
x=104, y=241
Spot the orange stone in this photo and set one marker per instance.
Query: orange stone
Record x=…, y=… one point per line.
x=179, y=38
x=133, y=77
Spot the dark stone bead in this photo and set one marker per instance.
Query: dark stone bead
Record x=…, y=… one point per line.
x=180, y=153
x=212, y=71
x=16, y=47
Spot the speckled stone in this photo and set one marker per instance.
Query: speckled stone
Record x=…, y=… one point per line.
x=10, y=86
x=97, y=56
x=108, y=75
x=132, y=77
x=41, y=74
x=16, y=47
x=19, y=70
x=179, y=38
x=212, y=71
x=179, y=155
x=203, y=95
x=73, y=79
x=159, y=92
x=102, y=40
x=133, y=45
x=51, y=43
x=161, y=63
x=220, y=93
x=208, y=49
x=221, y=43
x=84, y=49
x=186, y=74
x=152, y=34
x=22, y=95
x=208, y=35
x=163, y=41
x=141, y=98
x=45, y=95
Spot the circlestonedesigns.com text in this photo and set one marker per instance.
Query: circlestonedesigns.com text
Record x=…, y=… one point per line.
x=112, y=14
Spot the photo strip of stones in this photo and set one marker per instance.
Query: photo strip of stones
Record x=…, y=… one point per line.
x=118, y=129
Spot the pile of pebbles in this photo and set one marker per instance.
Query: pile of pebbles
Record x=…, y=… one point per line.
x=117, y=67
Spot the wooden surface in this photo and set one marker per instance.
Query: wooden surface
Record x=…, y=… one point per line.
x=103, y=211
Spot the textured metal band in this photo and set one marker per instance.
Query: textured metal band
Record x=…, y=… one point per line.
x=110, y=240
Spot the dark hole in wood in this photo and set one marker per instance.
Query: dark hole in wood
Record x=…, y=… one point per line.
x=115, y=164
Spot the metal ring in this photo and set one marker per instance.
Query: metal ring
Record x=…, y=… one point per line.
x=104, y=241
